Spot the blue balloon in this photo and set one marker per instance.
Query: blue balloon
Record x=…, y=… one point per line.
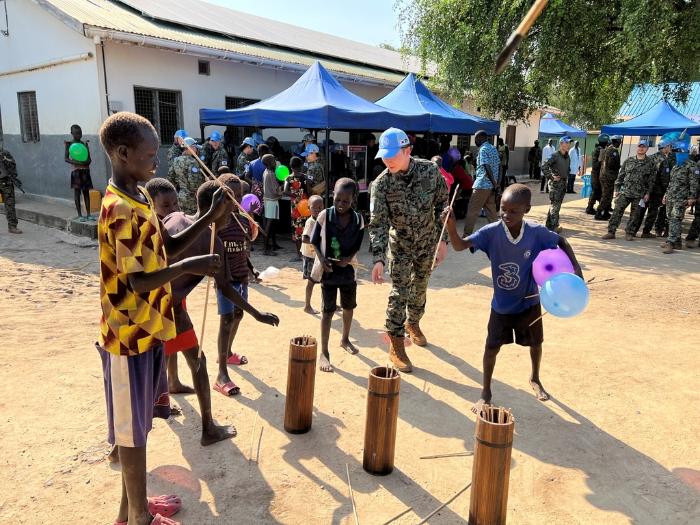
x=564, y=295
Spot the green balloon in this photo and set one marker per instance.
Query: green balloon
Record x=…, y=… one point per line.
x=78, y=151
x=282, y=172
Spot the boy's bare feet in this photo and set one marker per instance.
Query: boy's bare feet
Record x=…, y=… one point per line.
x=324, y=364
x=348, y=346
x=540, y=392
x=216, y=433
x=310, y=310
x=485, y=399
x=175, y=387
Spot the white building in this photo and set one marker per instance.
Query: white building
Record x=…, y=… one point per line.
x=65, y=62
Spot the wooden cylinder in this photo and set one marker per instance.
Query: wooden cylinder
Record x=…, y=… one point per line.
x=382, y=419
x=493, y=443
x=301, y=376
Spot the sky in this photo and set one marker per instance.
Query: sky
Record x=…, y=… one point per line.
x=369, y=21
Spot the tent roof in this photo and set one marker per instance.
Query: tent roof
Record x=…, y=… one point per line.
x=553, y=126
x=413, y=97
x=661, y=118
x=315, y=101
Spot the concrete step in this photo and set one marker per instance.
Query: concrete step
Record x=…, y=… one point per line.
x=53, y=213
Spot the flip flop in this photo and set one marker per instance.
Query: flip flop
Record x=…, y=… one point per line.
x=162, y=520
x=228, y=390
x=166, y=505
x=235, y=359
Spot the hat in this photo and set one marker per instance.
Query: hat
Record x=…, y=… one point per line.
x=663, y=143
x=189, y=141
x=643, y=143
x=181, y=133
x=565, y=138
x=247, y=142
x=308, y=138
x=215, y=136
x=616, y=137
x=391, y=142
x=603, y=138
x=310, y=148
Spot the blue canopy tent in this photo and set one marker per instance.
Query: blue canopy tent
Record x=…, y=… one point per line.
x=660, y=119
x=551, y=126
x=413, y=97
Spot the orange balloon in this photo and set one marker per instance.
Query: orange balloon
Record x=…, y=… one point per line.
x=303, y=208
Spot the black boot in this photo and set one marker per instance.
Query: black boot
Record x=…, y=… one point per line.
x=590, y=210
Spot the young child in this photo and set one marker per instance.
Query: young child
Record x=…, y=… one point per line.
x=80, y=179
x=336, y=239
x=296, y=188
x=272, y=191
x=136, y=297
x=512, y=245
x=307, y=250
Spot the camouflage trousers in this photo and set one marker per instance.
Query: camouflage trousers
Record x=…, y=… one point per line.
x=596, y=189
x=607, y=182
x=409, y=273
x=621, y=204
x=7, y=190
x=653, y=215
x=676, y=212
x=556, y=197
x=694, y=231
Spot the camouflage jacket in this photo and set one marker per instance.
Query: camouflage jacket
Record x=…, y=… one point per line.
x=557, y=166
x=684, y=182
x=242, y=163
x=189, y=178
x=405, y=211
x=173, y=152
x=663, y=166
x=611, y=161
x=636, y=177
x=314, y=173
x=214, y=158
x=8, y=167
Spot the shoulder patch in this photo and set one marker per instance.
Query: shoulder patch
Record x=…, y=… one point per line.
x=195, y=169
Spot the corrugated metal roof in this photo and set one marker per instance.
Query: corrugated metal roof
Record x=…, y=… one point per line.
x=644, y=96
x=112, y=16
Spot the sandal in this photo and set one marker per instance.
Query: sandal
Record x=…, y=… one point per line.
x=235, y=359
x=166, y=505
x=162, y=520
x=228, y=390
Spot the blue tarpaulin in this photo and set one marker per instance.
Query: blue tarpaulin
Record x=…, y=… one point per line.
x=660, y=119
x=315, y=101
x=550, y=126
x=413, y=97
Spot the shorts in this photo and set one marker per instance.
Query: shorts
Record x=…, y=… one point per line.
x=225, y=306
x=306, y=267
x=136, y=391
x=502, y=327
x=272, y=209
x=186, y=338
x=348, y=296
x=80, y=179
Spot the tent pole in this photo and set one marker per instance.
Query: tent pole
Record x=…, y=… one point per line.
x=328, y=166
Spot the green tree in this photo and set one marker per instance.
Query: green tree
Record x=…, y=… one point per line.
x=583, y=56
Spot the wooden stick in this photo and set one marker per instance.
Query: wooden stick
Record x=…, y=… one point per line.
x=352, y=496
x=252, y=435
x=519, y=35
x=531, y=296
x=409, y=509
x=442, y=232
x=425, y=520
x=603, y=281
x=452, y=455
x=206, y=296
x=540, y=317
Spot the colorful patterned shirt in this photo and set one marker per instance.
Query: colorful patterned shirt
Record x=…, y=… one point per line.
x=130, y=242
x=488, y=155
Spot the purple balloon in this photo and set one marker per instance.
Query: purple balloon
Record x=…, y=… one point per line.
x=550, y=263
x=454, y=153
x=250, y=203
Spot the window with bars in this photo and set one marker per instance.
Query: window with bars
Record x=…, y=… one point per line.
x=464, y=142
x=28, y=116
x=163, y=108
x=239, y=133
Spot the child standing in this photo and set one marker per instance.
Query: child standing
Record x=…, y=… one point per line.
x=337, y=238
x=80, y=179
x=307, y=250
x=512, y=245
x=272, y=191
x=136, y=297
x=295, y=186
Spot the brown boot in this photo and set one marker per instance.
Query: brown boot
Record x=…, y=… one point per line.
x=416, y=334
x=608, y=236
x=668, y=247
x=14, y=229
x=397, y=354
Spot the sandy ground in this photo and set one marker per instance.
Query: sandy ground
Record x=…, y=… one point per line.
x=611, y=447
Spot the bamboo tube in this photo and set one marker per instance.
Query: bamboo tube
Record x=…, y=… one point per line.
x=382, y=419
x=493, y=442
x=301, y=375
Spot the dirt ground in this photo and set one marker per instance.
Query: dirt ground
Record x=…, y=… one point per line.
x=611, y=447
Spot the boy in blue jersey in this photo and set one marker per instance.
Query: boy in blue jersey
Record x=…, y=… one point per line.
x=512, y=245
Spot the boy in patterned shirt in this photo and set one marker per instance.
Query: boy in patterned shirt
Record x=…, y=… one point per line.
x=512, y=245
x=137, y=315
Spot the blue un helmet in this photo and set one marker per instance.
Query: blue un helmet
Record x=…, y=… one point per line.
x=603, y=138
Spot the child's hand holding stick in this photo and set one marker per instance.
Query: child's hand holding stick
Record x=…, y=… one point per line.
x=444, y=225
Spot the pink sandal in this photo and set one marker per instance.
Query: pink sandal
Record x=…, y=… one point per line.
x=238, y=360
x=162, y=520
x=162, y=507
x=228, y=390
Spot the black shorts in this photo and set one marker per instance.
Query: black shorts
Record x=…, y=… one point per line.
x=503, y=326
x=80, y=179
x=348, y=296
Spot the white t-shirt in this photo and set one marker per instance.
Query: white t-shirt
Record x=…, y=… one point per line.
x=307, y=250
x=547, y=152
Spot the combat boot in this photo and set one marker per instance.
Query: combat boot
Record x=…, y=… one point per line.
x=397, y=354
x=608, y=236
x=691, y=244
x=647, y=235
x=416, y=334
x=590, y=210
x=13, y=229
x=668, y=247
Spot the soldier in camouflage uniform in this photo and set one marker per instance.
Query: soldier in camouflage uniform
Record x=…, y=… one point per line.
x=608, y=175
x=663, y=161
x=596, y=188
x=189, y=178
x=314, y=169
x=556, y=171
x=246, y=156
x=632, y=185
x=8, y=179
x=174, y=152
x=213, y=154
x=691, y=241
x=407, y=199
x=682, y=192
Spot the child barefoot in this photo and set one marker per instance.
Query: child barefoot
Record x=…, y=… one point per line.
x=512, y=245
x=307, y=250
x=337, y=238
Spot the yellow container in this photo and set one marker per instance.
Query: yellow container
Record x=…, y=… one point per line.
x=95, y=201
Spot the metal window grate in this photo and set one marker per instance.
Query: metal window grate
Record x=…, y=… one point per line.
x=203, y=67
x=163, y=108
x=239, y=133
x=464, y=142
x=28, y=116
